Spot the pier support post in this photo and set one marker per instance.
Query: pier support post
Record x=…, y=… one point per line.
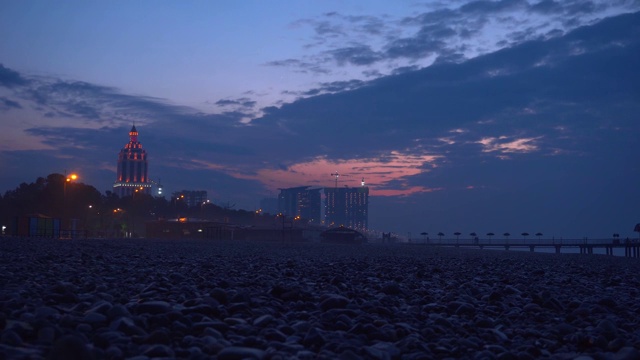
x=558, y=249
x=532, y=248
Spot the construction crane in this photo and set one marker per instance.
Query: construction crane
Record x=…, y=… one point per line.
x=337, y=175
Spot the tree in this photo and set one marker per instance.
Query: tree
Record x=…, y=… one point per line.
x=440, y=235
x=424, y=235
x=457, y=234
x=524, y=235
x=490, y=234
x=538, y=235
x=506, y=236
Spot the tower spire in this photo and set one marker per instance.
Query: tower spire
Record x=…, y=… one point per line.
x=133, y=134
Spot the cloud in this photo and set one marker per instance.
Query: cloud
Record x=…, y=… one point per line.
x=301, y=66
x=242, y=103
x=356, y=55
x=492, y=7
x=504, y=145
x=6, y=104
x=10, y=78
x=334, y=87
x=445, y=32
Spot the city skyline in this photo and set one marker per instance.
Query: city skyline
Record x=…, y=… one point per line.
x=470, y=116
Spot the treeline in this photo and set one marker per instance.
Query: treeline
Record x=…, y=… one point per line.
x=106, y=214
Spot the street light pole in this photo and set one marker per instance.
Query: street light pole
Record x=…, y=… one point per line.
x=133, y=208
x=68, y=179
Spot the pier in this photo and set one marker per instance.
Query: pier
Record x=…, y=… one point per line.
x=585, y=246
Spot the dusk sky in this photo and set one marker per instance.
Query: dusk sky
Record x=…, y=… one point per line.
x=472, y=116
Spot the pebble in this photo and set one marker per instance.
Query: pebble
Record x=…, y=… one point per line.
x=240, y=353
x=334, y=301
x=141, y=299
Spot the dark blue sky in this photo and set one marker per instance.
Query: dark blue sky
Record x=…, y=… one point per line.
x=484, y=116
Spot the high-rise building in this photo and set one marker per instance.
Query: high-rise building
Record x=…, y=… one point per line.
x=300, y=201
x=347, y=207
x=132, y=168
x=191, y=197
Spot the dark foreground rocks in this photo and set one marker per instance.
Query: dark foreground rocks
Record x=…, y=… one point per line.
x=139, y=299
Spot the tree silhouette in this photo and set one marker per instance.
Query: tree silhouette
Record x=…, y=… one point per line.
x=490, y=234
x=457, y=234
x=524, y=235
x=506, y=236
x=538, y=235
x=424, y=236
x=440, y=235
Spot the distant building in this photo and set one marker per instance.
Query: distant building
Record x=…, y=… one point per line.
x=348, y=207
x=132, y=168
x=191, y=197
x=300, y=201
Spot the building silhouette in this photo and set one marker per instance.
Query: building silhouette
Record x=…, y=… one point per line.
x=301, y=201
x=348, y=206
x=132, y=168
x=191, y=197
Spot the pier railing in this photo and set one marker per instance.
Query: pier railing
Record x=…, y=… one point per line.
x=585, y=245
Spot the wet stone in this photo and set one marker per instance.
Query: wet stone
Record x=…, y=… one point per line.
x=70, y=347
x=154, y=307
x=240, y=353
x=159, y=351
x=334, y=301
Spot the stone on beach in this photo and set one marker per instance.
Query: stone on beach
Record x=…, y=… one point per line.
x=146, y=298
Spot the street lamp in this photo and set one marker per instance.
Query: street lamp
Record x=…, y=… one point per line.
x=118, y=213
x=86, y=221
x=133, y=212
x=202, y=204
x=68, y=179
x=175, y=204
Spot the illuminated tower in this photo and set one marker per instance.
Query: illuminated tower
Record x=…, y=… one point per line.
x=132, y=168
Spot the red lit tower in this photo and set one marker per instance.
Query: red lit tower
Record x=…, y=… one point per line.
x=132, y=168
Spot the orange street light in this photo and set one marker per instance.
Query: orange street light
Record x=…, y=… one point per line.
x=71, y=177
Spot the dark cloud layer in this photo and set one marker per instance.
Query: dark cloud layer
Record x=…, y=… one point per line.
x=10, y=78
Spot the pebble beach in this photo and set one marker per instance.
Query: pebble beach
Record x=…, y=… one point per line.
x=143, y=299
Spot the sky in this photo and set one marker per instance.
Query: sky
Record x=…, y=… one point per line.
x=470, y=116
